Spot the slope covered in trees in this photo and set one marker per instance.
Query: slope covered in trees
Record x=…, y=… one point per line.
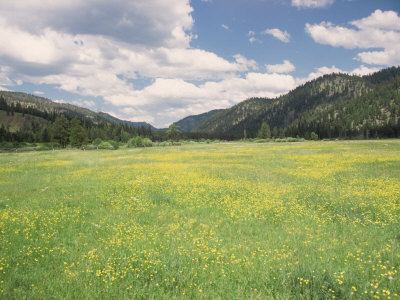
x=335, y=105
x=191, y=122
x=27, y=118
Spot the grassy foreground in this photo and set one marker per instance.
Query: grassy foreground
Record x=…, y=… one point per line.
x=229, y=221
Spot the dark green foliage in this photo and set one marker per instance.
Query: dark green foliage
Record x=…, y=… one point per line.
x=60, y=130
x=78, y=136
x=30, y=118
x=332, y=106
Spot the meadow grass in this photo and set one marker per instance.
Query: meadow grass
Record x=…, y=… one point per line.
x=312, y=220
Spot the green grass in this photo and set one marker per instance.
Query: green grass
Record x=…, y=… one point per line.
x=310, y=220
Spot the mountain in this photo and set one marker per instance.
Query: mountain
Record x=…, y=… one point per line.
x=134, y=124
x=335, y=105
x=45, y=108
x=189, y=123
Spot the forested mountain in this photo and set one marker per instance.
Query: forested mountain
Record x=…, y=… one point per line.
x=134, y=124
x=28, y=118
x=189, y=123
x=335, y=105
x=41, y=106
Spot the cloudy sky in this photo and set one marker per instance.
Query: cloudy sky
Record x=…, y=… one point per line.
x=161, y=60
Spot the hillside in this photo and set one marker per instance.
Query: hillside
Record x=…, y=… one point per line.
x=129, y=123
x=191, y=122
x=335, y=105
x=18, y=121
x=28, y=118
x=44, y=108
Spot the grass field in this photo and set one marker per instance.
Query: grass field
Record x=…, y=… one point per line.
x=221, y=221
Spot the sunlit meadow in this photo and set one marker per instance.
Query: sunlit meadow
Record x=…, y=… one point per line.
x=220, y=221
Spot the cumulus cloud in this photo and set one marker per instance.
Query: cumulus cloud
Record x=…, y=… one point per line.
x=318, y=72
x=379, y=30
x=100, y=49
x=283, y=36
x=312, y=3
x=286, y=67
x=175, y=98
x=153, y=22
x=363, y=70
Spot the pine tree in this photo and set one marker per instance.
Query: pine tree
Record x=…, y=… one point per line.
x=60, y=130
x=265, y=131
x=78, y=135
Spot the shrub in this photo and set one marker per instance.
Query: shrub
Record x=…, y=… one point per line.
x=314, y=136
x=43, y=147
x=106, y=145
x=114, y=144
x=97, y=141
x=147, y=142
x=138, y=141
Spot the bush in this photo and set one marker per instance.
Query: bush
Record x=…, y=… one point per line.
x=138, y=141
x=7, y=146
x=97, y=141
x=114, y=144
x=147, y=142
x=314, y=136
x=43, y=147
x=135, y=142
x=106, y=146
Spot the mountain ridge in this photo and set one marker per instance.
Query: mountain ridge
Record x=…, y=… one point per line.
x=289, y=112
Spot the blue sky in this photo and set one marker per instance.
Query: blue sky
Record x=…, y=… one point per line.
x=161, y=60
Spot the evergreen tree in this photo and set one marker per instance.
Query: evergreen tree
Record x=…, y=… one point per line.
x=275, y=132
x=60, y=130
x=45, y=136
x=265, y=131
x=3, y=104
x=78, y=135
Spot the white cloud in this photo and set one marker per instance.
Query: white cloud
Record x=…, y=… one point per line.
x=154, y=22
x=320, y=72
x=360, y=71
x=283, y=36
x=172, y=99
x=379, y=30
x=226, y=27
x=387, y=20
x=38, y=93
x=363, y=70
x=245, y=64
x=312, y=3
x=286, y=67
x=252, y=40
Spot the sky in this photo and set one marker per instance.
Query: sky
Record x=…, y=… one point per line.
x=159, y=61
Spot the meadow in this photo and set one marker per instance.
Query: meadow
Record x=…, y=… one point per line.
x=310, y=220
